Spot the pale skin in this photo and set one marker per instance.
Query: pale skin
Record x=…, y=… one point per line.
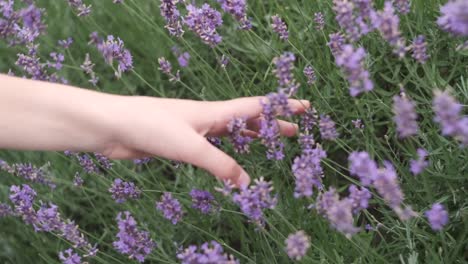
x=37, y=115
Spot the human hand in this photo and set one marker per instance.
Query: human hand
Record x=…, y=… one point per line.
x=175, y=129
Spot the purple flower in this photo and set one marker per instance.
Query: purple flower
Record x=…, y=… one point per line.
x=359, y=198
x=5, y=210
x=65, y=43
x=204, y=21
x=437, y=216
x=170, y=207
x=253, y=200
x=351, y=62
x=172, y=16
x=22, y=199
x=77, y=180
x=48, y=219
x=448, y=115
x=131, y=241
x=165, y=66
x=202, y=200
x=70, y=232
x=405, y=116
x=103, y=161
x=227, y=188
x=336, y=43
x=80, y=7
x=113, y=49
x=280, y=27
x=307, y=169
x=142, y=161
x=211, y=252
x=297, y=245
x=87, y=163
x=215, y=141
x=87, y=67
x=183, y=59
x=454, y=17
x=351, y=22
x=327, y=128
x=418, y=166
x=32, y=173
x=122, y=190
x=361, y=165
x=387, y=22
x=57, y=59
x=224, y=61
x=319, y=21
x=284, y=65
x=310, y=74
x=309, y=119
x=386, y=183
x=402, y=6
x=32, y=66
x=419, y=48
x=69, y=257
x=358, y=124
x=236, y=127
x=238, y=9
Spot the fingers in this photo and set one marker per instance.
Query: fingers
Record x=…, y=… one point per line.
x=203, y=154
x=287, y=129
x=250, y=107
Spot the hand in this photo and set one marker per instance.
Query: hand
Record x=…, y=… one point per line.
x=176, y=129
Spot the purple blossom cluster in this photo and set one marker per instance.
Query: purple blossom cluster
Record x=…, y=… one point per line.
x=453, y=17
x=28, y=172
x=418, y=165
x=306, y=168
x=358, y=124
x=309, y=119
x=387, y=22
x=5, y=210
x=57, y=59
x=309, y=73
x=21, y=26
x=77, y=180
x=319, y=21
x=47, y=218
x=437, y=216
x=336, y=43
x=166, y=67
x=69, y=257
x=65, y=43
x=170, y=207
x=238, y=9
x=171, y=14
x=284, y=66
x=87, y=163
x=142, y=161
x=202, y=201
x=81, y=8
x=131, y=241
x=327, y=128
x=122, y=190
x=352, y=16
x=236, y=128
x=253, y=200
x=448, y=114
x=209, y=252
x=203, y=21
x=87, y=67
x=351, y=61
x=402, y=6
x=280, y=27
x=419, y=49
x=362, y=166
x=359, y=198
x=297, y=245
x=405, y=116
x=103, y=161
x=114, y=49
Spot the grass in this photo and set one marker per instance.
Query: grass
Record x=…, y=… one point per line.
x=139, y=25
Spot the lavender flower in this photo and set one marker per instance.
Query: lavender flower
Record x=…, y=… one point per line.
x=142, y=161
x=307, y=169
x=172, y=16
x=448, y=115
x=87, y=67
x=5, y=210
x=418, y=166
x=77, y=180
x=359, y=198
x=131, y=241
x=48, y=219
x=224, y=61
x=203, y=22
x=80, y=7
x=87, y=163
x=319, y=21
x=358, y=124
x=402, y=6
x=361, y=165
x=309, y=119
x=122, y=190
x=113, y=49
x=297, y=245
x=57, y=59
x=388, y=24
x=437, y=216
x=252, y=201
x=351, y=61
x=351, y=22
x=31, y=64
x=310, y=74
x=238, y=9
x=236, y=127
x=419, y=49
x=227, y=188
x=202, y=200
x=65, y=43
x=327, y=128
x=280, y=27
x=22, y=199
x=454, y=17
x=211, y=252
x=32, y=173
x=183, y=59
x=215, y=141
x=69, y=257
x=170, y=207
x=166, y=67
x=103, y=161
x=386, y=183
x=405, y=116
x=284, y=65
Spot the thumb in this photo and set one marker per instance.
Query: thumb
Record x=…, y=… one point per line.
x=216, y=162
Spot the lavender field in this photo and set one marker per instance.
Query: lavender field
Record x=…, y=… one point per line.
x=376, y=170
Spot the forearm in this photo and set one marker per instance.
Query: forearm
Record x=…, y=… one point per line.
x=38, y=115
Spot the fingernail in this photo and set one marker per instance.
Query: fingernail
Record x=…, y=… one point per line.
x=244, y=180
